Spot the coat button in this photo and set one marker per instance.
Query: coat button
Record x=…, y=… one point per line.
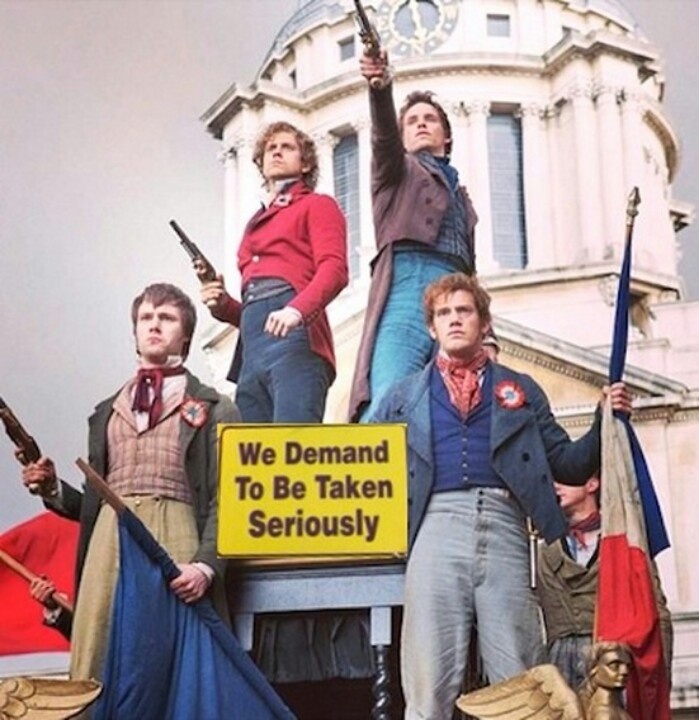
x=525, y=457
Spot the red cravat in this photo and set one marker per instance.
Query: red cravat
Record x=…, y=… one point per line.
x=148, y=378
x=592, y=522
x=461, y=380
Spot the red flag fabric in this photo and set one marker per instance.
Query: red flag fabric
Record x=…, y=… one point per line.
x=627, y=610
x=45, y=545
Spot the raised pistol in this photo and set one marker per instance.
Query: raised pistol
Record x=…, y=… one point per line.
x=27, y=449
x=204, y=269
x=370, y=38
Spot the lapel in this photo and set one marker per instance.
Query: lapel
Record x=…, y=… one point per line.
x=295, y=193
x=122, y=405
x=194, y=390
x=416, y=411
x=97, y=437
x=505, y=422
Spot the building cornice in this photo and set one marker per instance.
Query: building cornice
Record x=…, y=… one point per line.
x=456, y=64
x=575, y=45
x=588, y=366
x=642, y=279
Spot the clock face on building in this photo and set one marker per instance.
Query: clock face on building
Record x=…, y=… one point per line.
x=416, y=27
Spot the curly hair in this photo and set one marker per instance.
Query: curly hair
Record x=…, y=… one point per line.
x=425, y=96
x=449, y=284
x=309, y=155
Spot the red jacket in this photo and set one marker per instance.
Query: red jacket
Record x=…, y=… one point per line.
x=302, y=239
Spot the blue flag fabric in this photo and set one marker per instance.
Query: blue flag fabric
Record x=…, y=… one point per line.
x=655, y=526
x=170, y=660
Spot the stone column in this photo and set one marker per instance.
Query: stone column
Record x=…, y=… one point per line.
x=631, y=122
x=562, y=205
x=460, y=155
x=229, y=160
x=477, y=113
x=325, y=144
x=612, y=180
x=586, y=149
x=537, y=187
x=243, y=188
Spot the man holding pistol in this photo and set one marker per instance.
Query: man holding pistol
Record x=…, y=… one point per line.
x=293, y=262
x=424, y=225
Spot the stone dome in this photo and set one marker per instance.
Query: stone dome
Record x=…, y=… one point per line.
x=312, y=13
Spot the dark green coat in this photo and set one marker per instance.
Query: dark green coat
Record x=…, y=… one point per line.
x=199, y=449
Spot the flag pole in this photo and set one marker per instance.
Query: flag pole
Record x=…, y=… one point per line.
x=621, y=318
x=100, y=486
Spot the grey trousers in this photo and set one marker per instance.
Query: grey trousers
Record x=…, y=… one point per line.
x=469, y=565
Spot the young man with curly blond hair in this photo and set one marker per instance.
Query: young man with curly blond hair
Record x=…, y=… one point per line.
x=293, y=263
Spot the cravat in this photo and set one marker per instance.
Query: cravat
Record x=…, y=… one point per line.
x=461, y=380
x=147, y=379
x=577, y=530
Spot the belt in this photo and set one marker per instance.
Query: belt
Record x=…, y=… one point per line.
x=263, y=288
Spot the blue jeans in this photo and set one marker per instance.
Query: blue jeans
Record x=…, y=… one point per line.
x=469, y=565
x=281, y=379
x=403, y=346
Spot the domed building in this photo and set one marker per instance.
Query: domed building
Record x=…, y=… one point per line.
x=557, y=112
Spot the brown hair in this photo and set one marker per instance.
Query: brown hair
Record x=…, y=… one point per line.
x=309, y=155
x=161, y=293
x=449, y=284
x=425, y=96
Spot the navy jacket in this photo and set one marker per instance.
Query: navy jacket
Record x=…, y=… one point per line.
x=528, y=448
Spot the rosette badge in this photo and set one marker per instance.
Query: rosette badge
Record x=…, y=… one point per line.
x=510, y=395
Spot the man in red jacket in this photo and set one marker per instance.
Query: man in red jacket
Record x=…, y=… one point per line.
x=293, y=262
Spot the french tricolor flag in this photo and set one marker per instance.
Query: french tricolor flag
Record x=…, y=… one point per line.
x=633, y=532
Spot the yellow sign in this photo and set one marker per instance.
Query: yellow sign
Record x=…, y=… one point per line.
x=312, y=490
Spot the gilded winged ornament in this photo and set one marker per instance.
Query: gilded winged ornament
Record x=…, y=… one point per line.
x=543, y=694
x=540, y=694
x=42, y=699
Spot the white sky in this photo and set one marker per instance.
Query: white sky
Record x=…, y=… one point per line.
x=100, y=145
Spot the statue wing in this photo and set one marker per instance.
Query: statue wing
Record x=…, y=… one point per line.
x=537, y=694
x=42, y=699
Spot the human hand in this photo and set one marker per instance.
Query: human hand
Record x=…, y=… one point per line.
x=374, y=66
x=281, y=322
x=213, y=293
x=42, y=590
x=191, y=584
x=619, y=395
x=40, y=475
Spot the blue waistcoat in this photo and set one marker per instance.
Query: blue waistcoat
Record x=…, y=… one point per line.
x=461, y=446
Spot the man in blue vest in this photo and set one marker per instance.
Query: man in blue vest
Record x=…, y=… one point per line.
x=483, y=449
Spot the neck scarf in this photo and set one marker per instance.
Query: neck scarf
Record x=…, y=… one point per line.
x=588, y=524
x=461, y=380
x=152, y=378
x=449, y=171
